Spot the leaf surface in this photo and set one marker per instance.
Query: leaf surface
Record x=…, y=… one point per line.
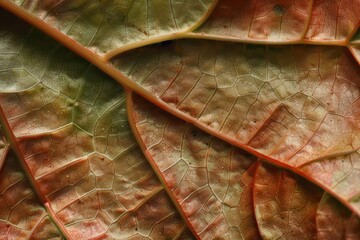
x=285, y=205
x=335, y=222
x=211, y=180
x=69, y=126
x=227, y=193
x=294, y=106
x=106, y=26
x=279, y=21
x=22, y=215
x=258, y=20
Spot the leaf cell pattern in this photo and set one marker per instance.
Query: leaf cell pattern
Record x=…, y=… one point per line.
x=89, y=169
x=224, y=191
x=296, y=105
x=278, y=21
x=285, y=104
x=257, y=20
x=22, y=215
x=336, y=222
x=285, y=205
x=210, y=180
x=105, y=26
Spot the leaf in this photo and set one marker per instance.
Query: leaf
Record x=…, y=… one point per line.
x=258, y=20
x=89, y=170
x=282, y=21
x=210, y=180
x=108, y=27
x=21, y=214
x=292, y=105
x=272, y=150
x=227, y=193
x=335, y=222
x=285, y=205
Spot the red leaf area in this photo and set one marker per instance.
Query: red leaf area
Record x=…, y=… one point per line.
x=295, y=106
x=283, y=20
x=225, y=192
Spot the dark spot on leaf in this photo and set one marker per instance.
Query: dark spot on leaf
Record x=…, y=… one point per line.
x=193, y=133
x=278, y=10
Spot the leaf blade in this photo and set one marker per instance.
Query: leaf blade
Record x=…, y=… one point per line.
x=254, y=97
x=106, y=27
x=22, y=214
x=284, y=204
x=221, y=109
x=210, y=180
x=282, y=22
x=70, y=128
